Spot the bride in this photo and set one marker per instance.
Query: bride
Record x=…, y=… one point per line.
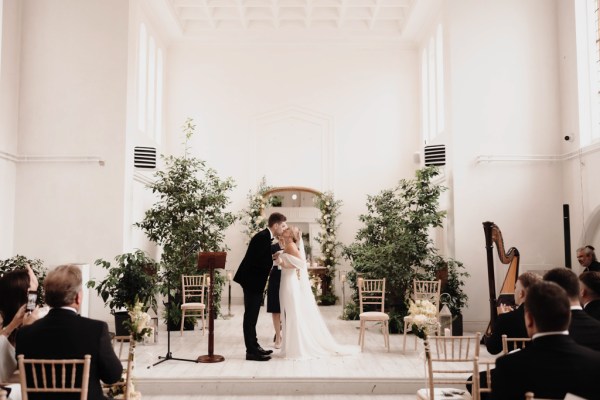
x=305, y=334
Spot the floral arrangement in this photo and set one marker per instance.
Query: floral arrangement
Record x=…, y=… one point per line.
x=253, y=216
x=330, y=210
x=423, y=315
x=139, y=323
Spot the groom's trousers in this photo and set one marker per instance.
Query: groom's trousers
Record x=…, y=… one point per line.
x=252, y=303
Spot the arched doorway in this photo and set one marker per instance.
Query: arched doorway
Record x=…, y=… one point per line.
x=298, y=205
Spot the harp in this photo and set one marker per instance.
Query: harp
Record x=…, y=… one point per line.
x=510, y=257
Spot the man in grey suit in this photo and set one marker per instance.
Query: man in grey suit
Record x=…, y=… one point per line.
x=63, y=333
x=252, y=276
x=553, y=364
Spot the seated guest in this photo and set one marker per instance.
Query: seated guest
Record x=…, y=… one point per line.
x=14, y=286
x=553, y=364
x=590, y=293
x=65, y=334
x=512, y=323
x=584, y=329
x=587, y=258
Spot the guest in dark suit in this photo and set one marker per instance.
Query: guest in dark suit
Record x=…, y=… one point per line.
x=252, y=276
x=587, y=258
x=590, y=293
x=584, y=329
x=65, y=334
x=553, y=364
x=512, y=323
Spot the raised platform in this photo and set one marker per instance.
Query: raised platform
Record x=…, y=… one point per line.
x=374, y=371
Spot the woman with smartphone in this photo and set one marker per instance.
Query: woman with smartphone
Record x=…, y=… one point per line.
x=16, y=288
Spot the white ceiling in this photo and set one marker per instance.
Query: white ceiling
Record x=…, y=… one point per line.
x=284, y=19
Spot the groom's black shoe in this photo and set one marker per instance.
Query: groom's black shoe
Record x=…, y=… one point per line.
x=257, y=357
x=264, y=352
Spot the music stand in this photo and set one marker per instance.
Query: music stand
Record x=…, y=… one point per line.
x=210, y=261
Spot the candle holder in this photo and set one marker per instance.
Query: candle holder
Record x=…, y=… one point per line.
x=229, y=275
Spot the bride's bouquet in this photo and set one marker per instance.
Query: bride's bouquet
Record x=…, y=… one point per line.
x=423, y=315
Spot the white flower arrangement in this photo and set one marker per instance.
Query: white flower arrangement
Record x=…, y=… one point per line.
x=423, y=315
x=139, y=324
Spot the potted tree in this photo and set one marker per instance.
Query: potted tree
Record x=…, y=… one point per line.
x=189, y=217
x=133, y=279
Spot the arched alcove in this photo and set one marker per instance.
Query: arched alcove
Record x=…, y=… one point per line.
x=298, y=205
x=591, y=234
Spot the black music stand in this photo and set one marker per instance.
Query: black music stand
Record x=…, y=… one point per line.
x=210, y=261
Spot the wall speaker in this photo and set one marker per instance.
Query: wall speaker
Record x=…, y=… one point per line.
x=567, y=231
x=144, y=157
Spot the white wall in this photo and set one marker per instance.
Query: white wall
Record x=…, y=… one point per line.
x=504, y=100
x=366, y=98
x=72, y=103
x=9, y=102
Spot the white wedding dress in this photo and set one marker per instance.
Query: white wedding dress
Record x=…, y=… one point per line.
x=305, y=334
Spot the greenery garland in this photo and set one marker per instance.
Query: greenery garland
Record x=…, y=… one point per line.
x=330, y=210
x=253, y=217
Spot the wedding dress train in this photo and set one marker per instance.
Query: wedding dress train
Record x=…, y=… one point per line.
x=305, y=334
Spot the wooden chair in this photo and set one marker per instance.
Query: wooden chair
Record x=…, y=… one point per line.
x=54, y=376
x=486, y=366
x=194, y=287
x=422, y=290
x=451, y=360
x=510, y=344
x=120, y=343
x=371, y=293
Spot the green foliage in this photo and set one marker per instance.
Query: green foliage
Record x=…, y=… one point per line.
x=253, y=217
x=327, y=238
x=133, y=279
x=37, y=266
x=452, y=273
x=394, y=242
x=190, y=215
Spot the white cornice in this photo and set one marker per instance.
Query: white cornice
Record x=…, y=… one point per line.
x=50, y=158
x=537, y=157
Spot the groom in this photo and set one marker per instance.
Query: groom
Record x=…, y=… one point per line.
x=252, y=276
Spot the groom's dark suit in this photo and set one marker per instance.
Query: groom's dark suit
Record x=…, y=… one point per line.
x=593, y=309
x=252, y=276
x=64, y=334
x=550, y=367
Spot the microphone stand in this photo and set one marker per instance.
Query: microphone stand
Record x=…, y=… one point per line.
x=169, y=355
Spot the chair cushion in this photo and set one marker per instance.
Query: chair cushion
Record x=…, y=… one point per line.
x=374, y=315
x=444, y=393
x=187, y=306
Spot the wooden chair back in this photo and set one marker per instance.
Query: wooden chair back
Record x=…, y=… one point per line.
x=54, y=376
x=451, y=360
x=193, y=288
x=510, y=344
x=428, y=290
x=371, y=292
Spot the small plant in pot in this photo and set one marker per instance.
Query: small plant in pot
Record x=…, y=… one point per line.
x=133, y=279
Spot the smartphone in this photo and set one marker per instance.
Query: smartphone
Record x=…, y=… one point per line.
x=31, y=300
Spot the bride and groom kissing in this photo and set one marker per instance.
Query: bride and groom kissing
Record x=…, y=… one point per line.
x=305, y=334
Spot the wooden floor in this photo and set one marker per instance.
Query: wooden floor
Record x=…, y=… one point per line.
x=372, y=372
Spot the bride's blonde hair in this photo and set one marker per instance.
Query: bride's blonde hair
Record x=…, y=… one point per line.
x=291, y=231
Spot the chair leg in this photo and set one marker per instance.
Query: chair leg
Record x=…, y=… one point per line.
x=182, y=319
x=404, y=334
x=362, y=335
x=386, y=335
